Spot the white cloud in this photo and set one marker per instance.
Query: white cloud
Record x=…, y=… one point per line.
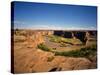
x=53, y=27
x=19, y=22
x=46, y=27
x=22, y=25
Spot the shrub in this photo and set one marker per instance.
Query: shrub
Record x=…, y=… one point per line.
x=59, y=39
x=83, y=52
x=50, y=59
x=56, y=39
x=43, y=47
x=63, y=44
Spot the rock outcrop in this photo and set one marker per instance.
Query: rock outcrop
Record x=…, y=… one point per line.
x=59, y=63
x=37, y=35
x=81, y=35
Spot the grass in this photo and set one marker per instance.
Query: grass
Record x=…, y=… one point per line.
x=59, y=39
x=83, y=52
x=56, y=39
x=43, y=47
x=50, y=59
x=63, y=44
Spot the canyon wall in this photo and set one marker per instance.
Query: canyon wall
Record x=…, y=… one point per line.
x=35, y=37
x=31, y=37
x=81, y=35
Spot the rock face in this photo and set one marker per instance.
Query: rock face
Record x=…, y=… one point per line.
x=37, y=36
x=68, y=34
x=37, y=61
x=59, y=33
x=81, y=35
x=75, y=64
x=91, y=38
x=59, y=63
x=34, y=39
x=50, y=32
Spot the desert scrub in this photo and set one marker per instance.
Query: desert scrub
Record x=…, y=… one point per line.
x=63, y=44
x=71, y=41
x=54, y=38
x=50, y=59
x=20, y=32
x=59, y=39
x=43, y=47
x=83, y=52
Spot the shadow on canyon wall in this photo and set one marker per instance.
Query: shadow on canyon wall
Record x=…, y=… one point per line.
x=81, y=35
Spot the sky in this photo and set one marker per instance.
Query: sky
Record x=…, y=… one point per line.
x=29, y=15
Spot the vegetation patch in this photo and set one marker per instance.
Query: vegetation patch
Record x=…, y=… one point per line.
x=63, y=44
x=83, y=52
x=59, y=39
x=43, y=47
x=56, y=39
x=50, y=59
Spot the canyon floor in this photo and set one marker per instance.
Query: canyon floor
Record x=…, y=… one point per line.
x=42, y=51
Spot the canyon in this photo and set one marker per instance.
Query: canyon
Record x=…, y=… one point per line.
x=27, y=57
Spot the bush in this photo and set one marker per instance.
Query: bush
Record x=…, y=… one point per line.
x=43, y=47
x=56, y=39
x=50, y=59
x=59, y=39
x=63, y=44
x=83, y=52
